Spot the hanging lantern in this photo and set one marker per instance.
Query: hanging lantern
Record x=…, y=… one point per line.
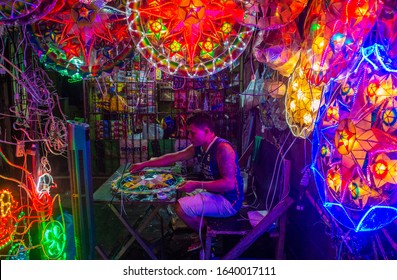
x=381, y=88
x=334, y=179
x=334, y=37
x=302, y=103
x=279, y=49
x=83, y=39
x=384, y=170
x=189, y=38
x=278, y=13
x=345, y=136
x=360, y=143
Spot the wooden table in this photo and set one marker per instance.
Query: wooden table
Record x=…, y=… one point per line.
x=105, y=195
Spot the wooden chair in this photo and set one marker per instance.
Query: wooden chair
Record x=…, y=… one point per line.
x=240, y=225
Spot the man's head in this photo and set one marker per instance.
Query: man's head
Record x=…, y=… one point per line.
x=201, y=119
x=200, y=128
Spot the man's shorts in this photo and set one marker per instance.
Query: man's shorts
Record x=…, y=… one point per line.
x=207, y=204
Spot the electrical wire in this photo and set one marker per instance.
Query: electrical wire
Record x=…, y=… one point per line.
x=277, y=165
x=201, y=222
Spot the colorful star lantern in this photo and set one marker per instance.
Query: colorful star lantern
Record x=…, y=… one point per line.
x=355, y=144
x=381, y=88
x=333, y=37
x=360, y=192
x=279, y=49
x=331, y=116
x=384, y=170
x=276, y=13
x=189, y=38
x=333, y=179
x=301, y=104
x=388, y=116
x=25, y=11
x=84, y=38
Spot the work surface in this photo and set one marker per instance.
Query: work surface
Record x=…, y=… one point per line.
x=105, y=194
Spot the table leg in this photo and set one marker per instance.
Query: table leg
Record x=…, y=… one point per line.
x=101, y=253
x=141, y=227
x=134, y=232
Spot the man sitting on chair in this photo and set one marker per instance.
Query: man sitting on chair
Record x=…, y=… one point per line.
x=223, y=186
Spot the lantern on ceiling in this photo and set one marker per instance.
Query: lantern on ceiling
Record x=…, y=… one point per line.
x=334, y=37
x=278, y=13
x=83, y=39
x=279, y=49
x=188, y=38
x=301, y=104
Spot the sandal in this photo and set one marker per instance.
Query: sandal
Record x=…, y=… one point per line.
x=195, y=246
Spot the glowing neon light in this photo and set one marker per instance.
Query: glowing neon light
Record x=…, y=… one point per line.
x=358, y=178
x=18, y=252
x=54, y=240
x=7, y=218
x=39, y=208
x=44, y=184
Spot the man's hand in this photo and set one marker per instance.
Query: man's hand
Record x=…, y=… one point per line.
x=137, y=167
x=189, y=186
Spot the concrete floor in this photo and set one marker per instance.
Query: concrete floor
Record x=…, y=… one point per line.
x=166, y=235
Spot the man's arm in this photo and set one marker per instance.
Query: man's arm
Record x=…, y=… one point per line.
x=225, y=157
x=165, y=160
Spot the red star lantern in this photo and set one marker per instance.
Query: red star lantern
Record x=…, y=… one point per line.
x=83, y=38
x=196, y=37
